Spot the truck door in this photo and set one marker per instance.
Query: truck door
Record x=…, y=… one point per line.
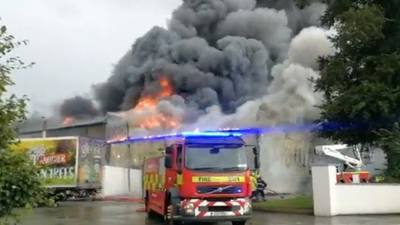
x=173, y=165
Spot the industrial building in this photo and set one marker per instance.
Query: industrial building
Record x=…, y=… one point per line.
x=93, y=128
x=286, y=158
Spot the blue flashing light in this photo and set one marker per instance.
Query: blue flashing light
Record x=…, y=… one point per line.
x=179, y=135
x=211, y=134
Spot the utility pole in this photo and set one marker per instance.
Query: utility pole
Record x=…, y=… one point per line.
x=44, y=127
x=130, y=166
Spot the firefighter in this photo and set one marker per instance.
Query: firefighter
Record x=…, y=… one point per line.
x=253, y=177
x=260, y=190
x=258, y=185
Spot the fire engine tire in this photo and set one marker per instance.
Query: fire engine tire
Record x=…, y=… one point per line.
x=169, y=216
x=238, y=222
x=151, y=214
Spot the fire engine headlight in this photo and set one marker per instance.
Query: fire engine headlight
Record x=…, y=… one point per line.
x=203, y=208
x=235, y=208
x=189, y=209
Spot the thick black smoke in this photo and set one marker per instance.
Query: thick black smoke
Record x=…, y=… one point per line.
x=229, y=73
x=208, y=57
x=78, y=108
x=214, y=52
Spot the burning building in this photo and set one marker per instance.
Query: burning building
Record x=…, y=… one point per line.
x=219, y=64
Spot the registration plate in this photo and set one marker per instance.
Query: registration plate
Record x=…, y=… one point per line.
x=217, y=213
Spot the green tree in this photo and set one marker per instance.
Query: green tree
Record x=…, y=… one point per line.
x=19, y=180
x=361, y=82
x=390, y=141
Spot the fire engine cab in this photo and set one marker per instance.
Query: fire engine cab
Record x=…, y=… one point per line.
x=199, y=176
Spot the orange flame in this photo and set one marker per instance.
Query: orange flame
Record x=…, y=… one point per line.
x=68, y=121
x=149, y=103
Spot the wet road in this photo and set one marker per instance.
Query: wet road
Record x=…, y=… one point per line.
x=118, y=213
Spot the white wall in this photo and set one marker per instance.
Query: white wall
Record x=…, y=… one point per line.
x=367, y=199
x=136, y=185
x=122, y=181
x=332, y=199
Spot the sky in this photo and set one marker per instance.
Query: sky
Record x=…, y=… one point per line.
x=75, y=43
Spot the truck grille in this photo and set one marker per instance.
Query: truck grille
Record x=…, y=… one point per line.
x=219, y=208
x=219, y=189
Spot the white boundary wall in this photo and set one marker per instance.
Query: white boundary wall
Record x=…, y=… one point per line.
x=122, y=181
x=332, y=199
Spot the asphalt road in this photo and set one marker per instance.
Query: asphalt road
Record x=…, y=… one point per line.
x=119, y=213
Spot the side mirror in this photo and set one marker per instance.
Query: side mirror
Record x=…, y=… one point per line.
x=168, y=161
x=169, y=150
x=179, y=158
x=257, y=164
x=255, y=151
x=214, y=151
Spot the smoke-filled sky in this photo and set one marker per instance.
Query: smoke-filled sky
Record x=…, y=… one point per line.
x=75, y=43
x=222, y=53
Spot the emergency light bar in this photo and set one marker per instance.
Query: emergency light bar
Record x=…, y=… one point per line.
x=183, y=134
x=211, y=134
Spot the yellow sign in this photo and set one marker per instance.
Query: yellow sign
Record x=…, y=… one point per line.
x=55, y=158
x=212, y=179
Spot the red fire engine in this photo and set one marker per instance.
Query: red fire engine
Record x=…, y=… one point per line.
x=201, y=176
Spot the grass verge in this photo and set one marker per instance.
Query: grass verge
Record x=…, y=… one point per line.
x=300, y=204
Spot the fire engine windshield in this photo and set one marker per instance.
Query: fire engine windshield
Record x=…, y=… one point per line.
x=216, y=158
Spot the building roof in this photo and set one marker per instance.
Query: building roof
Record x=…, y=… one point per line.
x=36, y=125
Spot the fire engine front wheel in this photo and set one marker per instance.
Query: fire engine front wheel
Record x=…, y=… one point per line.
x=238, y=222
x=169, y=216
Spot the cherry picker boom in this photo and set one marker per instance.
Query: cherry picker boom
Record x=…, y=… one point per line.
x=356, y=163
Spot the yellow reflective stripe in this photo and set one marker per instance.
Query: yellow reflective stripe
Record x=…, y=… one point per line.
x=162, y=181
x=179, y=179
x=253, y=183
x=206, y=179
x=153, y=181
